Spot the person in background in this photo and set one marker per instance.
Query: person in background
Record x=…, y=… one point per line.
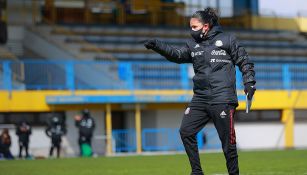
x=55, y=130
x=86, y=126
x=5, y=144
x=23, y=131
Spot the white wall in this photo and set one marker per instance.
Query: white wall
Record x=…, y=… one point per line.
x=300, y=135
x=40, y=143
x=98, y=140
x=72, y=133
x=260, y=135
x=169, y=118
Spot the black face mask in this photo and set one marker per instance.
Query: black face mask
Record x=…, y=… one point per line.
x=197, y=35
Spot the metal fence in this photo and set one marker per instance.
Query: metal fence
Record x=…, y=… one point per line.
x=124, y=140
x=163, y=139
x=74, y=75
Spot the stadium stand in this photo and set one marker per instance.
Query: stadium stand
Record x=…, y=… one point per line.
x=123, y=44
x=119, y=46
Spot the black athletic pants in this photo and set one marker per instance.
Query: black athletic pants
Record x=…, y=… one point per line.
x=55, y=143
x=24, y=145
x=195, y=118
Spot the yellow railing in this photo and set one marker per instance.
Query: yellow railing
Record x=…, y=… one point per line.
x=17, y=69
x=153, y=12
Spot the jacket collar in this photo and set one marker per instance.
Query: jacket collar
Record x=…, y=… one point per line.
x=213, y=31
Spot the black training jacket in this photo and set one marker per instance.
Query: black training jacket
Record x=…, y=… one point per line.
x=214, y=61
x=23, y=131
x=56, y=131
x=86, y=126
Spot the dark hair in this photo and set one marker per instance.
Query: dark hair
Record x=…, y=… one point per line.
x=208, y=15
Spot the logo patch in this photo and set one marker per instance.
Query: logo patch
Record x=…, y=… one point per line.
x=223, y=114
x=218, y=43
x=193, y=54
x=212, y=60
x=218, y=52
x=187, y=111
x=196, y=46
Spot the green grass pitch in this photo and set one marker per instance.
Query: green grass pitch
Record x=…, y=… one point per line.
x=287, y=162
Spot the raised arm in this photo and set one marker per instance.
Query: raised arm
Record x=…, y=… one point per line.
x=48, y=131
x=174, y=54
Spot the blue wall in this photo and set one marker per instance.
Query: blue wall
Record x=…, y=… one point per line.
x=40, y=75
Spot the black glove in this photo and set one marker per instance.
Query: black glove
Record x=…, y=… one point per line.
x=249, y=89
x=150, y=43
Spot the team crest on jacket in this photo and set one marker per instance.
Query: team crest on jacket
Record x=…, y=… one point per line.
x=218, y=43
x=187, y=111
